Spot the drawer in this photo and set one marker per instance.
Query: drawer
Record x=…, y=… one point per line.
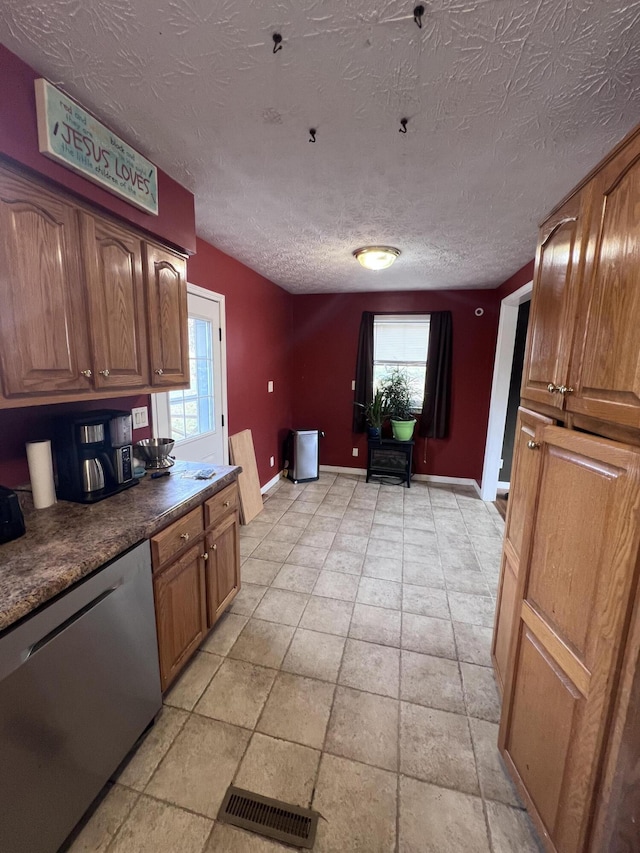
x=219, y=505
x=172, y=539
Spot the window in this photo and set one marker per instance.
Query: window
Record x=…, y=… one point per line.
x=192, y=411
x=401, y=341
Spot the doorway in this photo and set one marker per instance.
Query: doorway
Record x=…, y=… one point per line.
x=502, y=370
x=195, y=418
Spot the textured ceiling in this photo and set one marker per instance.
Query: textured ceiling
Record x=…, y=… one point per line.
x=509, y=104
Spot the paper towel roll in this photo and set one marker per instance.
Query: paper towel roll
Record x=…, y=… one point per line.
x=41, y=473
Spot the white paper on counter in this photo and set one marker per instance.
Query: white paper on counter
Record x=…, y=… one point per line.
x=41, y=473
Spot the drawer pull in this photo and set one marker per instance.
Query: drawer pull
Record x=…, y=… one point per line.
x=205, y=556
x=184, y=536
x=106, y=373
x=159, y=371
x=227, y=504
x=564, y=389
x=533, y=445
x=87, y=373
x=214, y=547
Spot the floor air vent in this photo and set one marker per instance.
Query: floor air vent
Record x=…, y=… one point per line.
x=268, y=817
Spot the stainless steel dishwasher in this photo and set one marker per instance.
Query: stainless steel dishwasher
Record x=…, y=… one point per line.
x=79, y=683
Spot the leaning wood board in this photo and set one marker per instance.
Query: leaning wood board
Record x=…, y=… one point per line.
x=242, y=453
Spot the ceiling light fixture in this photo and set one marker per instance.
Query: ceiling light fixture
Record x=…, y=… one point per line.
x=376, y=257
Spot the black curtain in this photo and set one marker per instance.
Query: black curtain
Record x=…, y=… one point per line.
x=364, y=371
x=434, y=422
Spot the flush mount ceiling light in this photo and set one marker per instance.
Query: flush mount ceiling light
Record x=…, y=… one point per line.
x=376, y=257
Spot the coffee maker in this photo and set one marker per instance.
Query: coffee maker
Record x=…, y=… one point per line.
x=94, y=456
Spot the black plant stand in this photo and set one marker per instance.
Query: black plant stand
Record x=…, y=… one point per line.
x=388, y=457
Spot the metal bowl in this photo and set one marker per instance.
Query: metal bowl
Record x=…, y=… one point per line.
x=155, y=451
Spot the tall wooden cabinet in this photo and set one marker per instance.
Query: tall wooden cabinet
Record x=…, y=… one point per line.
x=89, y=306
x=566, y=643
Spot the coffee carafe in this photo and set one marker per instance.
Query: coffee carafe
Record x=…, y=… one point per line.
x=91, y=462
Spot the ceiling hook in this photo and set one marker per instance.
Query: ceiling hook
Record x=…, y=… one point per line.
x=418, y=12
x=312, y=132
x=403, y=122
x=277, y=42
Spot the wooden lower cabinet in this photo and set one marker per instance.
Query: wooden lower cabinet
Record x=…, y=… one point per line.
x=572, y=605
x=196, y=577
x=524, y=473
x=223, y=567
x=181, y=612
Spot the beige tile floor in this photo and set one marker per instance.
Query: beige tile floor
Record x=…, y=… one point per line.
x=351, y=674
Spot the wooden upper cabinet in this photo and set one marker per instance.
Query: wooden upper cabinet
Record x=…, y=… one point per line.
x=116, y=303
x=165, y=274
x=553, y=304
x=43, y=337
x=573, y=600
x=606, y=375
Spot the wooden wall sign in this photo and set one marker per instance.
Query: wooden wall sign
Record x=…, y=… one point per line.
x=70, y=135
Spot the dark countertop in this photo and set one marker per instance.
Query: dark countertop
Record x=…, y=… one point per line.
x=68, y=541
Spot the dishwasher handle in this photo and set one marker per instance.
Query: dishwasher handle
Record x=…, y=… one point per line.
x=40, y=644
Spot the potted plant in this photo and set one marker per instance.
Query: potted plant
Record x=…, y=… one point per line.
x=375, y=413
x=396, y=389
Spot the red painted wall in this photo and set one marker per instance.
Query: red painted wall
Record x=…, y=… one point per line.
x=19, y=140
x=326, y=340
x=515, y=282
x=259, y=319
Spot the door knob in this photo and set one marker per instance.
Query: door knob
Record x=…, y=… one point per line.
x=205, y=556
x=533, y=445
x=159, y=371
x=87, y=373
x=106, y=373
x=551, y=388
x=214, y=547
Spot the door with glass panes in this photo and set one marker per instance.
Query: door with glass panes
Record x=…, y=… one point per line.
x=195, y=417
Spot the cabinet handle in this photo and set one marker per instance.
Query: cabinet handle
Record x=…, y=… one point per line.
x=159, y=371
x=214, y=547
x=551, y=388
x=565, y=389
x=87, y=373
x=227, y=504
x=205, y=556
x=533, y=445
x=184, y=536
x=106, y=373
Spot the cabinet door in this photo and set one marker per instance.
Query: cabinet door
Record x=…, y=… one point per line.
x=43, y=338
x=181, y=613
x=606, y=380
x=165, y=274
x=115, y=297
x=526, y=466
x=223, y=567
x=553, y=304
x=573, y=597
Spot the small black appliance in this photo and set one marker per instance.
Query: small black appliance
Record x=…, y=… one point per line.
x=94, y=456
x=11, y=518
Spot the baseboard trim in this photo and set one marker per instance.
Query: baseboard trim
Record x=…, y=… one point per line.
x=271, y=483
x=423, y=478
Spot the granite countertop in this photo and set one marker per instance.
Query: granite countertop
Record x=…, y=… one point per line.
x=69, y=540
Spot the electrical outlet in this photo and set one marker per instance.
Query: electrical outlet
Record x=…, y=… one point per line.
x=353, y=384
x=140, y=417
x=354, y=452
x=270, y=386
x=272, y=461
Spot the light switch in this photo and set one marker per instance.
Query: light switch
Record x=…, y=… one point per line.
x=272, y=461
x=354, y=452
x=270, y=386
x=140, y=417
x=353, y=384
